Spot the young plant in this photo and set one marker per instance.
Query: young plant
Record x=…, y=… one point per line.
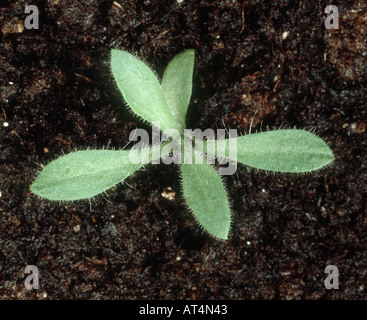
x=84, y=174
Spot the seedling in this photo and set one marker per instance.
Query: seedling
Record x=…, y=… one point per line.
x=84, y=174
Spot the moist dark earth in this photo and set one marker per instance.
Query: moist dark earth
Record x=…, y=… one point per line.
x=272, y=63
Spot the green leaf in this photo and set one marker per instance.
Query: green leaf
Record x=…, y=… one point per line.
x=205, y=195
x=84, y=174
x=141, y=89
x=177, y=84
x=288, y=150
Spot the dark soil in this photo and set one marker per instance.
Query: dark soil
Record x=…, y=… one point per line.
x=57, y=94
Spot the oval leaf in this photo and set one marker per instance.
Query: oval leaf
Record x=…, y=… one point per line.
x=141, y=89
x=288, y=150
x=83, y=174
x=205, y=195
x=177, y=84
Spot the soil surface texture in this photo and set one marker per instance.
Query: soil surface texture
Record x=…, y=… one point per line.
x=264, y=64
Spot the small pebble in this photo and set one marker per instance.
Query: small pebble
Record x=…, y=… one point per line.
x=20, y=27
x=285, y=35
x=168, y=193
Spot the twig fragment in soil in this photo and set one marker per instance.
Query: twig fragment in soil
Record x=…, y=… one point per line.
x=84, y=77
x=243, y=16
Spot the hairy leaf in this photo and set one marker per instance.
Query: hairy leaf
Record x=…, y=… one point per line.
x=141, y=89
x=288, y=150
x=83, y=174
x=177, y=84
x=205, y=195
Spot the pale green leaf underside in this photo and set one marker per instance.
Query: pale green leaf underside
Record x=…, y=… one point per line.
x=141, y=89
x=83, y=174
x=288, y=150
x=177, y=84
x=205, y=195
